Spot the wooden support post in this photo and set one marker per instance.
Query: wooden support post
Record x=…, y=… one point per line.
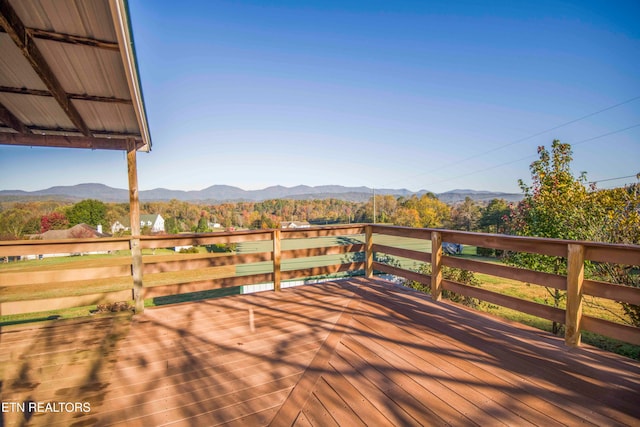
x=575, y=279
x=134, y=216
x=368, y=263
x=277, y=244
x=436, y=266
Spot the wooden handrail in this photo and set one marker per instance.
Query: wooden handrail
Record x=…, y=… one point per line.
x=577, y=252
x=80, y=281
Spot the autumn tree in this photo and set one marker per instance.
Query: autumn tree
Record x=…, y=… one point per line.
x=32, y=226
x=560, y=205
x=615, y=218
x=431, y=211
x=554, y=207
x=492, y=220
x=171, y=226
x=91, y=212
x=23, y=218
x=13, y=223
x=493, y=216
x=116, y=212
x=407, y=217
x=53, y=221
x=386, y=206
x=203, y=224
x=465, y=215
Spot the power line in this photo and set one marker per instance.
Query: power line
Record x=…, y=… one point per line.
x=554, y=128
x=602, y=110
x=616, y=179
x=533, y=155
x=606, y=134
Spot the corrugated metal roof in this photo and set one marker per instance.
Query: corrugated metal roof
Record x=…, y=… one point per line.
x=77, y=17
x=67, y=67
x=43, y=112
x=15, y=70
x=86, y=70
x=108, y=117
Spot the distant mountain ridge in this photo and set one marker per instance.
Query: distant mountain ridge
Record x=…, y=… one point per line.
x=227, y=193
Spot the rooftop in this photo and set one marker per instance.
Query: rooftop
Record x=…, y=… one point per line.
x=349, y=352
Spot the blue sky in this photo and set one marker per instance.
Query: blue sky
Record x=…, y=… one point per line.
x=395, y=94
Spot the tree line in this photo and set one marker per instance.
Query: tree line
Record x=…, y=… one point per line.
x=19, y=219
x=557, y=204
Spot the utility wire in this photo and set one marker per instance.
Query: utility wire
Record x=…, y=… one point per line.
x=602, y=110
x=606, y=134
x=562, y=125
x=616, y=179
x=533, y=155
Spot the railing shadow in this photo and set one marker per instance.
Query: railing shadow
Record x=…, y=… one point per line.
x=55, y=373
x=237, y=359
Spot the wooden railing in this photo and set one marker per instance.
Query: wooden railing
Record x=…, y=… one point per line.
x=63, y=277
x=276, y=256
x=266, y=262
x=574, y=283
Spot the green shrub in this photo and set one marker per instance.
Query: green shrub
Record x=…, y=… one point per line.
x=455, y=275
x=191, y=250
x=222, y=247
x=485, y=251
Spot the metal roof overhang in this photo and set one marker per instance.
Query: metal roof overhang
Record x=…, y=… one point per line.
x=68, y=76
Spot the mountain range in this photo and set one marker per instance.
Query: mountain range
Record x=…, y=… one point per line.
x=227, y=193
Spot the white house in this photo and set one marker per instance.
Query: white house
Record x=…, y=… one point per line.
x=295, y=224
x=154, y=222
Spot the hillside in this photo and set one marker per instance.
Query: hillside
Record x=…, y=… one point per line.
x=226, y=193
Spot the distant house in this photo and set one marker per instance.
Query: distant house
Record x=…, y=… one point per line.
x=79, y=231
x=154, y=222
x=295, y=224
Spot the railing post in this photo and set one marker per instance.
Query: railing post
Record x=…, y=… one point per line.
x=277, y=235
x=136, y=273
x=134, y=216
x=436, y=266
x=575, y=278
x=368, y=262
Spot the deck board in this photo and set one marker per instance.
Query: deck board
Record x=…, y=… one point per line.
x=349, y=352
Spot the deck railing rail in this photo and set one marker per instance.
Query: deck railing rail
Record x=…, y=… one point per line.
x=574, y=283
x=277, y=256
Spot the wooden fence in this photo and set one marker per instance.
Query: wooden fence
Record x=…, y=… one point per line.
x=274, y=256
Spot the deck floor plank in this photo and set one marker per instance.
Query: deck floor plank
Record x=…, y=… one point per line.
x=450, y=399
x=359, y=404
x=314, y=413
x=542, y=371
x=483, y=390
x=341, y=410
x=404, y=390
x=434, y=358
x=348, y=352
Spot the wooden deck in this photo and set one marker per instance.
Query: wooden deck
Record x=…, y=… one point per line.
x=349, y=352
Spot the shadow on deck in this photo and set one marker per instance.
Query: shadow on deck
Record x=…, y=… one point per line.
x=349, y=352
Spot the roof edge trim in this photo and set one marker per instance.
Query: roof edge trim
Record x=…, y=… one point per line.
x=120, y=13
